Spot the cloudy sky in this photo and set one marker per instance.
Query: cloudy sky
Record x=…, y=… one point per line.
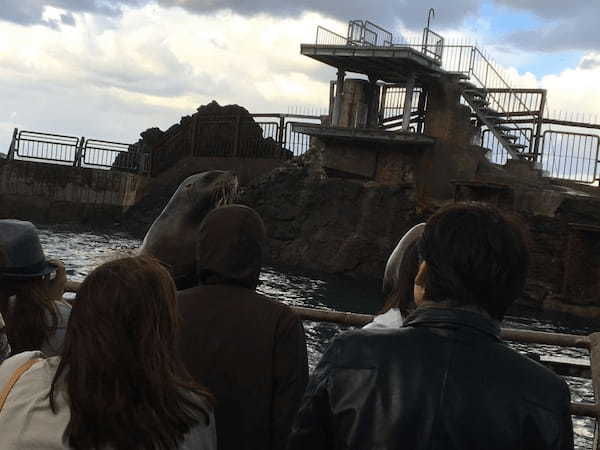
x=112, y=68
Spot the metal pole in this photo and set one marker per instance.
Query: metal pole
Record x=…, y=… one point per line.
x=408, y=97
x=421, y=110
x=13, y=144
x=339, y=93
x=236, y=136
x=79, y=152
x=331, y=100
x=382, y=106
x=538, y=128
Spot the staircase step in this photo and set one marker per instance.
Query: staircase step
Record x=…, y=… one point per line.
x=517, y=146
x=510, y=137
x=480, y=101
x=497, y=120
x=489, y=112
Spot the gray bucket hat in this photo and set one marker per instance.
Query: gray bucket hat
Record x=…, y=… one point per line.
x=22, y=251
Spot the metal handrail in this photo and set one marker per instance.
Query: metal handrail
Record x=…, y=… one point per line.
x=502, y=80
x=332, y=33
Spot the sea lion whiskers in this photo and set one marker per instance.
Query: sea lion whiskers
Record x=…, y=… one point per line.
x=226, y=193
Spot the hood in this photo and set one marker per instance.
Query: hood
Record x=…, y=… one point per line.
x=398, y=262
x=230, y=247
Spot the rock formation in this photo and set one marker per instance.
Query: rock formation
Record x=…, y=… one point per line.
x=214, y=130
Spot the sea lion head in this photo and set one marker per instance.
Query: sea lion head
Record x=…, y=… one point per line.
x=173, y=234
x=200, y=193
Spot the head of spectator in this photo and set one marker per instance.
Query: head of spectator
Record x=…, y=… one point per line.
x=125, y=384
x=400, y=272
x=473, y=256
x=31, y=286
x=230, y=247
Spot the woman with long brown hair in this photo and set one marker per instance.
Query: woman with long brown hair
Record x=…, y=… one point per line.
x=31, y=289
x=118, y=383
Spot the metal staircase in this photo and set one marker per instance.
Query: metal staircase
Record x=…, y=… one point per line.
x=498, y=106
x=514, y=140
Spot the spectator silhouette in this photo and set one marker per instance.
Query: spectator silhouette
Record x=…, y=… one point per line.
x=248, y=349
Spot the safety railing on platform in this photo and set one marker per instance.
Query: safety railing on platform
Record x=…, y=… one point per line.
x=569, y=155
x=328, y=37
x=37, y=146
x=74, y=151
x=433, y=44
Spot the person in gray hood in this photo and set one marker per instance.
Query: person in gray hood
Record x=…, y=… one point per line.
x=247, y=349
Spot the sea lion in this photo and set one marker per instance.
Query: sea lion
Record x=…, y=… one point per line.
x=172, y=236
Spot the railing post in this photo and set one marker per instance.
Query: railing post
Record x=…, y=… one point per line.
x=421, y=110
x=141, y=160
x=79, y=152
x=236, y=139
x=538, y=128
x=384, y=89
x=595, y=369
x=195, y=119
x=472, y=61
x=13, y=144
x=408, y=97
x=281, y=131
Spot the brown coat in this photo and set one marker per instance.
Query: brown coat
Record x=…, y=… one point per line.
x=247, y=349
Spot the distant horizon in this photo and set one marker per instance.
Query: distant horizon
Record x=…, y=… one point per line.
x=114, y=70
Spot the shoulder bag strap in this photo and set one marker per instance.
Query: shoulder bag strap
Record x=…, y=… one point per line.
x=13, y=380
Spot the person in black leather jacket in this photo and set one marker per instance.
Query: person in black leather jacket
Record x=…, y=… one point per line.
x=444, y=380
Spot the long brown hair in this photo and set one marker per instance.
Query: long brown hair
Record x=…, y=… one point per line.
x=126, y=385
x=32, y=319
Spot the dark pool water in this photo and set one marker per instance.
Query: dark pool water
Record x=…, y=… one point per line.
x=82, y=251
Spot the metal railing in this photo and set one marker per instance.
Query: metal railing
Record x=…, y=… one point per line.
x=366, y=33
x=569, y=155
x=433, y=44
x=74, y=151
x=496, y=153
x=258, y=136
x=328, y=37
x=38, y=146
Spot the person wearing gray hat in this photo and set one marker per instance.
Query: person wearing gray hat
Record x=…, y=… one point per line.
x=31, y=289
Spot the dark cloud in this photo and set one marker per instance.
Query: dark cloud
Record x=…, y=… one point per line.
x=388, y=13
x=566, y=25
x=30, y=12
x=412, y=14
x=550, y=9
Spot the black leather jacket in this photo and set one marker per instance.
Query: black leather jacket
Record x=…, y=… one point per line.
x=443, y=381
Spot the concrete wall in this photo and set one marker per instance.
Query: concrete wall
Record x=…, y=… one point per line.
x=55, y=193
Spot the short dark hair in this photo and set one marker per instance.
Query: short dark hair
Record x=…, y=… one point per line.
x=475, y=255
